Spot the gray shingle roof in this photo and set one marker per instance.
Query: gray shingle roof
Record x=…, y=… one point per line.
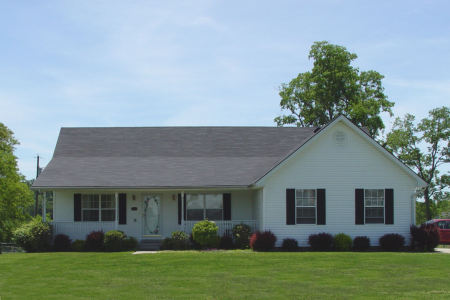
x=152, y=157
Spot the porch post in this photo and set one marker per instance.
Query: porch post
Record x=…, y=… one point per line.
x=182, y=210
x=44, y=207
x=116, y=219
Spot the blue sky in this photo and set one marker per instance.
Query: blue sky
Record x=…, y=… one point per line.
x=161, y=63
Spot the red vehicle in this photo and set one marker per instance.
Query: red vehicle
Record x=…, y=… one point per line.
x=444, y=229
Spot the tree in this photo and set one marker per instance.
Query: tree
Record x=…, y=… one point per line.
x=331, y=88
x=15, y=196
x=425, y=148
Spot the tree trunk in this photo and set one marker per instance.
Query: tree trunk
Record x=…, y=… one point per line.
x=426, y=195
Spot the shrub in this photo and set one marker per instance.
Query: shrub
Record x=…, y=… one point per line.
x=226, y=242
x=194, y=244
x=62, y=243
x=321, y=241
x=361, y=243
x=180, y=240
x=205, y=233
x=129, y=244
x=167, y=244
x=113, y=240
x=425, y=237
x=241, y=235
x=94, y=241
x=262, y=241
x=289, y=245
x=34, y=236
x=78, y=245
x=392, y=242
x=342, y=242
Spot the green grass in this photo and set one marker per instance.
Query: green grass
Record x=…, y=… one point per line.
x=225, y=275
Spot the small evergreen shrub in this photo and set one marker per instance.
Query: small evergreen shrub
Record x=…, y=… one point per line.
x=129, y=244
x=361, y=243
x=194, y=244
x=113, y=241
x=62, y=243
x=180, y=240
x=263, y=241
x=424, y=238
x=392, y=242
x=78, y=245
x=290, y=245
x=205, y=234
x=94, y=241
x=226, y=242
x=342, y=242
x=241, y=235
x=321, y=241
x=167, y=244
x=34, y=236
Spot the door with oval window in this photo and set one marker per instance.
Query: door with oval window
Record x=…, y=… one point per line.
x=151, y=215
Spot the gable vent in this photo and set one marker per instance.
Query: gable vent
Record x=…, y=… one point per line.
x=340, y=138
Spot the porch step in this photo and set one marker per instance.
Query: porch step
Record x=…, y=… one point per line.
x=150, y=244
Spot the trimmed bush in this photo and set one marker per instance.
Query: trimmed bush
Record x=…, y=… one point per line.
x=289, y=245
x=241, y=235
x=194, y=244
x=342, y=242
x=34, y=236
x=263, y=241
x=424, y=238
x=94, y=241
x=62, y=243
x=167, y=244
x=226, y=242
x=129, y=244
x=180, y=240
x=361, y=243
x=78, y=245
x=205, y=234
x=392, y=242
x=113, y=241
x=321, y=241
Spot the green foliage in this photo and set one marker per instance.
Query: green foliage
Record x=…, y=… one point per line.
x=78, y=245
x=321, y=241
x=331, y=88
x=62, y=243
x=241, y=235
x=263, y=241
x=392, y=242
x=34, y=236
x=95, y=241
x=438, y=208
x=178, y=241
x=15, y=196
x=129, y=244
x=425, y=237
x=113, y=240
x=289, y=245
x=180, y=235
x=342, y=242
x=425, y=148
x=226, y=242
x=205, y=234
x=361, y=243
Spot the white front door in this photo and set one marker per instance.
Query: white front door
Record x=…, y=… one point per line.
x=151, y=215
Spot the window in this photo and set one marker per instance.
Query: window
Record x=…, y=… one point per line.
x=305, y=206
x=204, y=206
x=374, y=206
x=95, y=207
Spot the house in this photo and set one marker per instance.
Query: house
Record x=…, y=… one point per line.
x=151, y=181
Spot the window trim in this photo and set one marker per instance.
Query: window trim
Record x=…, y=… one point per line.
x=99, y=208
x=384, y=206
x=315, y=207
x=203, y=195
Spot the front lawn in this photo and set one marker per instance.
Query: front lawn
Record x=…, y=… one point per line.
x=225, y=275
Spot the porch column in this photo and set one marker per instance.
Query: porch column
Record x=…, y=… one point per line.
x=182, y=210
x=44, y=206
x=116, y=219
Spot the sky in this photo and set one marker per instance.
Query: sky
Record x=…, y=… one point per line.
x=175, y=63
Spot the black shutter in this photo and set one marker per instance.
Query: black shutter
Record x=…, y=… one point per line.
x=227, y=206
x=321, y=207
x=290, y=206
x=184, y=206
x=388, y=206
x=122, y=208
x=359, y=206
x=179, y=209
x=77, y=207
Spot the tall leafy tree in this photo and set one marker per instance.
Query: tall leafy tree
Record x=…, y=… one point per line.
x=15, y=196
x=331, y=88
x=425, y=148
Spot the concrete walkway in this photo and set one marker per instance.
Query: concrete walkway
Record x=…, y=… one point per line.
x=145, y=252
x=443, y=250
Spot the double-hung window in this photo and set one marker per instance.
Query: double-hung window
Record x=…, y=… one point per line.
x=204, y=206
x=374, y=205
x=98, y=207
x=305, y=206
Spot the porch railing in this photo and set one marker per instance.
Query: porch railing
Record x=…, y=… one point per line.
x=79, y=230
x=224, y=226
